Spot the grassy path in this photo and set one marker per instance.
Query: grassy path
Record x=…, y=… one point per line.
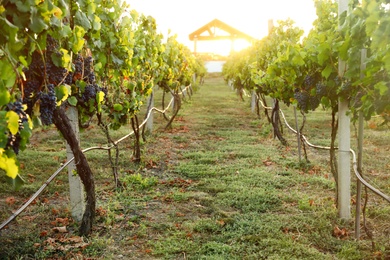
x=229, y=191
x=215, y=186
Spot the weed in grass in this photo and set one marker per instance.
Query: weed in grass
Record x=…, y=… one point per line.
x=140, y=182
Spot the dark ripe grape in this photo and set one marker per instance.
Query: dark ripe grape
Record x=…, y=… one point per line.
x=69, y=78
x=314, y=102
x=338, y=80
x=346, y=86
x=13, y=142
x=55, y=75
x=309, y=82
x=321, y=89
x=89, y=93
x=37, y=65
x=88, y=63
x=89, y=75
x=78, y=68
x=47, y=105
x=51, y=44
x=91, y=78
x=302, y=99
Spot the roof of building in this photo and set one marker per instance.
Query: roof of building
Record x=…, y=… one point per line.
x=211, y=27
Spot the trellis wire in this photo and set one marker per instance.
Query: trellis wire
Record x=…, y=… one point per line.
x=354, y=161
x=54, y=175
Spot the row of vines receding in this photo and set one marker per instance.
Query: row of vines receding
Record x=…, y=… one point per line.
x=98, y=57
x=303, y=71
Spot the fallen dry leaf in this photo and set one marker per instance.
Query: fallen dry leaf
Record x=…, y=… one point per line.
x=10, y=200
x=60, y=229
x=340, y=233
x=268, y=162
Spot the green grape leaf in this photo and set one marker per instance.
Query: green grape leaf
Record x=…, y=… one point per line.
x=62, y=93
x=82, y=20
x=343, y=49
x=77, y=41
x=72, y=101
x=327, y=71
x=386, y=60
x=17, y=182
x=4, y=96
x=96, y=23
x=382, y=87
x=13, y=122
x=37, y=24
x=22, y=60
x=118, y=107
x=65, y=31
x=7, y=73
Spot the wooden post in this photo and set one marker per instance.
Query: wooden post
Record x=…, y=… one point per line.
x=76, y=188
x=298, y=134
x=344, y=138
x=363, y=58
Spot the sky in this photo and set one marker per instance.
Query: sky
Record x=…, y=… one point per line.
x=182, y=17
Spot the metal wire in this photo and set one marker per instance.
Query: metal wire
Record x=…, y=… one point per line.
x=54, y=175
x=354, y=161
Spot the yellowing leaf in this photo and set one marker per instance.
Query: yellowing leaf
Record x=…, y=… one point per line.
x=100, y=97
x=13, y=122
x=8, y=165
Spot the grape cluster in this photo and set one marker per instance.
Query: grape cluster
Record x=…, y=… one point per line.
x=47, y=105
x=14, y=140
x=42, y=76
x=311, y=80
x=302, y=98
x=306, y=101
x=84, y=71
x=321, y=89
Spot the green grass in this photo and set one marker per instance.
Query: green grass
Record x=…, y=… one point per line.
x=215, y=186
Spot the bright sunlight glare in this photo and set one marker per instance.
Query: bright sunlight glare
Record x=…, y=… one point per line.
x=248, y=16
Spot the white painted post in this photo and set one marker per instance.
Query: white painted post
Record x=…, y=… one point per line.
x=184, y=90
x=76, y=188
x=253, y=102
x=344, y=132
x=150, y=105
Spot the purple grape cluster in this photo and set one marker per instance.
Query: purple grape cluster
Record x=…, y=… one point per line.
x=14, y=140
x=42, y=76
x=47, y=105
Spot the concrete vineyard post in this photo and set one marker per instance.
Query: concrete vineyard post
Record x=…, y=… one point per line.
x=76, y=188
x=344, y=139
x=253, y=102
